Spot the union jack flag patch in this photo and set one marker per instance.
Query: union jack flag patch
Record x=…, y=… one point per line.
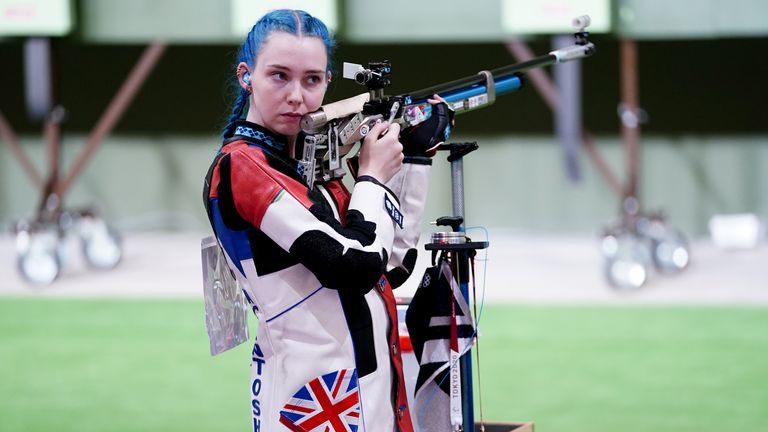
x=326, y=403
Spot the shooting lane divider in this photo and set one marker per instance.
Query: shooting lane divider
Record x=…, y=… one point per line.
x=9, y=135
x=114, y=111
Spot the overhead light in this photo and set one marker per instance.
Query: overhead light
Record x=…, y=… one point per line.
x=626, y=260
x=101, y=243
x=40, y=244
x=641, y=242
x=39, y=253
x=669, y=247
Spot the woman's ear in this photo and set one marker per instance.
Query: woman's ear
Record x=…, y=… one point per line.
x=328, y=76
x=244, y=76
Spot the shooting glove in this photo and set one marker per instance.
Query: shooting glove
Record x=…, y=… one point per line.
x=423, y=139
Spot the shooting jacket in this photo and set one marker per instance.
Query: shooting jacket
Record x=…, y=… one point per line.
x=318, y=267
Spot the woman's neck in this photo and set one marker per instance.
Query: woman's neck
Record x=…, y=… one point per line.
x=291, y=139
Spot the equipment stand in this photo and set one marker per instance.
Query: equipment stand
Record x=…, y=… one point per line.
x=461, y=253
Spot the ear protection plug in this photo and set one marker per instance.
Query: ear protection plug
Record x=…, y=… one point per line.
x=247, y=78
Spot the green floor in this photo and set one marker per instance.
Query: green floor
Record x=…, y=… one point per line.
x=112, y=365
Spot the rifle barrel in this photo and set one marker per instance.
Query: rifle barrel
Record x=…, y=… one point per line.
x=507, y=75
x=500, y=75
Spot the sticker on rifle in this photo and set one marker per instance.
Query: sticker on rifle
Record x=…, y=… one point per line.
x=393, y=211
x=417, y=114
x=476, y=101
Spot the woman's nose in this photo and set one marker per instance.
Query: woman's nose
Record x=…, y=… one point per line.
x=294, y=94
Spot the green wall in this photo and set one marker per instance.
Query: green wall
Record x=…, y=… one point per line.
x=512, y=182
x=371, y=21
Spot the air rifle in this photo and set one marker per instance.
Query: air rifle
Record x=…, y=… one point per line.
x=331, y=132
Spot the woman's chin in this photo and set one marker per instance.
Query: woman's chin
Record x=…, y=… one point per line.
x=286, y=129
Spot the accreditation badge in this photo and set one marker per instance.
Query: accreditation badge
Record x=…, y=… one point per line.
x=226, y=309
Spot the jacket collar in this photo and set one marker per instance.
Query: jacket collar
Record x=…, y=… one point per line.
x=257, y=134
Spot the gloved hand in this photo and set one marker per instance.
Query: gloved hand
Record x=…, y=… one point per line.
x=423, y=139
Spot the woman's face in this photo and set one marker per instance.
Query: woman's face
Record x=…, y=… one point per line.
x=289, y=81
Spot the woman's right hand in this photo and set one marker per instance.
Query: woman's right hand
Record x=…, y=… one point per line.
x=381, y=154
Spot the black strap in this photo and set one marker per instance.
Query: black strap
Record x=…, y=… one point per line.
x=207, y=187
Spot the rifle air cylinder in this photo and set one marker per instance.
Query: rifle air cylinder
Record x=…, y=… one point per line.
x=313, y=121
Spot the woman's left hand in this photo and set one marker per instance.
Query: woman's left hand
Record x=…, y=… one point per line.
x=423, y=139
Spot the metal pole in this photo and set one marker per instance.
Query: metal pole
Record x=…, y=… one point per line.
x=50, y=202
x=462, y=265
x=630, y=117
x=457, y=188
x=546, y=89
x=38, y=86
x=568, y=112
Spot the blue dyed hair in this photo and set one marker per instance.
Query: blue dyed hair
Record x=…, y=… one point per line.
x=295, y=22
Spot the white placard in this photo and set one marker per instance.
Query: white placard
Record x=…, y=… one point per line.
x=553, y=16
x=245, y=13
x=35, y=17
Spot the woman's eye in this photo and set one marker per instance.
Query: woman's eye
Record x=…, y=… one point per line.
x=281, y=76
x=313, y=79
